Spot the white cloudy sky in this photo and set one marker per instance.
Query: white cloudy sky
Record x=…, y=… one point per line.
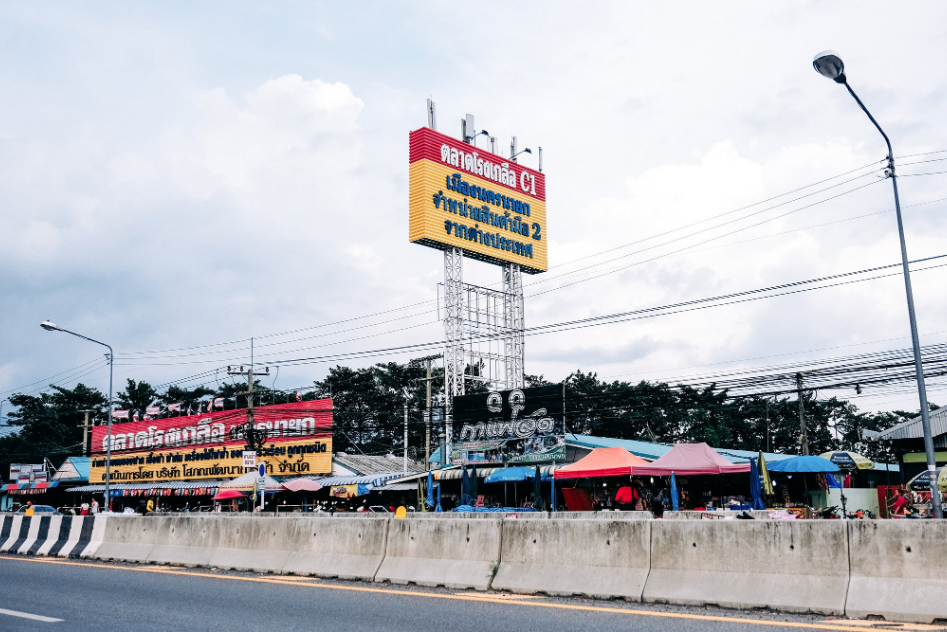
x=174, y=175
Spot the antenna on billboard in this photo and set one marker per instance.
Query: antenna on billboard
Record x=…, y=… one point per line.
x=467, y=128
x=513, y=149
x=431, y=115
x=493, y=144
x=540, y=159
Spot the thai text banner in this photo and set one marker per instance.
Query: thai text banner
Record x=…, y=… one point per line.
x=519, y=426
x=193, y=447
x=282, y=422
x=286, y=458
x=460, y=196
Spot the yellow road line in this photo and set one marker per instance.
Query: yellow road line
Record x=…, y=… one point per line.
x=467, y=597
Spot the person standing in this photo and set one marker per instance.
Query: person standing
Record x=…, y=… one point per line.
x=95, y=506
x=29, y=508
x=150, y=507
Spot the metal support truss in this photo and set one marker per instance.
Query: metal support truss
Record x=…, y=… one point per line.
x=454, y=361
x=515, y=325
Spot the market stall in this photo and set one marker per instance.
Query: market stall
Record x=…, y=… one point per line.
x=686, y=460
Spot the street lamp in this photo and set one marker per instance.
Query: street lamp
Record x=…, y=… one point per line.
x=829, y=64
x=49, y=326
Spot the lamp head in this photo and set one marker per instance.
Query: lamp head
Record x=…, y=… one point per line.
x=483, y=132
x=829, y=64
x=527, y=151
x=49, y=326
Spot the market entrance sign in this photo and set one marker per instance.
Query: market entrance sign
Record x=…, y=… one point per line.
x=299, y=441
x=464, y=197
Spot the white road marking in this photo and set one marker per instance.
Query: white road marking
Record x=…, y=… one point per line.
x=27, y=615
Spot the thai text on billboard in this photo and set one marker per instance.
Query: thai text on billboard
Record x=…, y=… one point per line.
x=520, y=426
x=299, y=441
x=461, y=196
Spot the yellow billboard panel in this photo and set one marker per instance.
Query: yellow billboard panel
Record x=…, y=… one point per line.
x=284, y=458
x=492, y=209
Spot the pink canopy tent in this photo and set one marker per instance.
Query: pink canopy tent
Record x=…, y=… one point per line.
x=688, y=459
x=602, y=462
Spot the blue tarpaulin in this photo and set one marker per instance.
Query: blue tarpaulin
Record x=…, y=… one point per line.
x=511, y=475
x=675, y=502
x=755, y=486
x=811, y=464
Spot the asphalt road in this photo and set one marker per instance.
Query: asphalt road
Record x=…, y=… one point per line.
x=102, y=597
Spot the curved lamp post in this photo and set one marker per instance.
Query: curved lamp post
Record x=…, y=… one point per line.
x=829, y=64
x=49, y=326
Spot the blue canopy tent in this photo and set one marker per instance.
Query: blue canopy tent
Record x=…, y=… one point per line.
x=803, y=464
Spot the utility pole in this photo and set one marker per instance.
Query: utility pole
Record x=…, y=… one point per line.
x=405, y=435
x=85, y=432
x=254, y=439
x=804, y=435
x=427, y=403
x=768, y=443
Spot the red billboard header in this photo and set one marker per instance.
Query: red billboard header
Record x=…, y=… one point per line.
x=282, y=422
x=426, y=144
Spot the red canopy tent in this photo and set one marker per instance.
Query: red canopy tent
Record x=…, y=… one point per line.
x=688, y=459
x=602, y=462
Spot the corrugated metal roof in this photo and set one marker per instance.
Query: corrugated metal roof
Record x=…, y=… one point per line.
x=74, y=470
x=376, y=479
x=912, y=429
x=652, y=451
x=368, y=465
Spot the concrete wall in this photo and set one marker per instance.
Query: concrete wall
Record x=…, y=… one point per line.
x=350, y=549
x=452, y=553
x=894, y=568
x=599, y=558
x=792, y=565
x=898, y=569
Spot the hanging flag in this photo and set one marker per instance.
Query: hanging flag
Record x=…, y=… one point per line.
x=151, y=411
x=135, y=416
x=120, y=414
x=217, y=402
x=299, y=396
x=176, y=408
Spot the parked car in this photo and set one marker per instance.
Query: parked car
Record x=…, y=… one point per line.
x=39, y=509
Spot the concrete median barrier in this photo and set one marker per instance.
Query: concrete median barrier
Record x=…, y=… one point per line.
x=185, y=540
x=39, y=529
x=451, y=553
x=96, y=535
x=581, y=515
x=898, y=569
x=598, y=558
x=796, y=566
x=253, y=544
x=129, y=538
x=350, y=549
x=19, y=526
x=48, y=536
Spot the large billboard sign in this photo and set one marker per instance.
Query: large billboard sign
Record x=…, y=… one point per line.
x=521, y=426
x=464, y=197
x=195, y=447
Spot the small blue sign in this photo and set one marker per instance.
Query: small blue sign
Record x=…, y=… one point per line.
x=262, y=470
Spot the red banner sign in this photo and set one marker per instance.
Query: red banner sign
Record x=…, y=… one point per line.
x=282, y=423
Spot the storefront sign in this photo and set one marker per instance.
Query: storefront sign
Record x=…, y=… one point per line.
x=27, y=473
x=520, y=426
x=348, y=491
x=249, y=460
x=299, y=441
x=464, y=197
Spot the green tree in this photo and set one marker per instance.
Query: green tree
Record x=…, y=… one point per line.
x=136, y=397
x=50, y=424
